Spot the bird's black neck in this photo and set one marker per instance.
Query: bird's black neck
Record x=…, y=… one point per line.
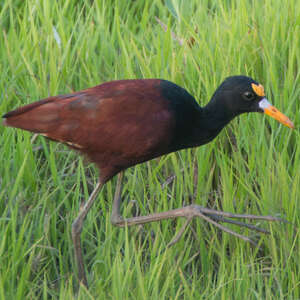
x=207, y=123
x=195, y=125
x=215, y=116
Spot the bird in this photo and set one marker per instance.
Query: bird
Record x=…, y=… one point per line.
x=122, y=123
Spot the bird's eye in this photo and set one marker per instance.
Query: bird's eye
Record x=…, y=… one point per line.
x=249, y=96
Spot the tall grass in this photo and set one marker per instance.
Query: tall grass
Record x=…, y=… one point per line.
x=54, y=47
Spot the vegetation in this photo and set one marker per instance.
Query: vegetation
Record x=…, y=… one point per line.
x=55, y=47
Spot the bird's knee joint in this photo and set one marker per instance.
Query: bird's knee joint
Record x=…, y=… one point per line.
x=116, y=220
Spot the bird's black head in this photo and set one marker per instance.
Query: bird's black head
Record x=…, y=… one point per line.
x=241, y=94
x=237, y=95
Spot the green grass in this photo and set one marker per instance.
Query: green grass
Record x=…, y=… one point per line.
x=252, y=167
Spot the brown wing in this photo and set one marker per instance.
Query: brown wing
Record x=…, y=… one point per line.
x=117, y=124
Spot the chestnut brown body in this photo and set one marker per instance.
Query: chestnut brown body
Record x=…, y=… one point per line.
x=116, y=124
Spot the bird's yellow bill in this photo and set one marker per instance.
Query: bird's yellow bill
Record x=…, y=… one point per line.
x=275, y=113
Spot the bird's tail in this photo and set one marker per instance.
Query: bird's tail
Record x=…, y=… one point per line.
x=38, y=117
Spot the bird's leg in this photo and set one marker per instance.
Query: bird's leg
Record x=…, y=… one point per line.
x=76, y=232
x=116, y=217
x=210, y=215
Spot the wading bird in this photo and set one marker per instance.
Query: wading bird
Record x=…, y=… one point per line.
x=122, y=123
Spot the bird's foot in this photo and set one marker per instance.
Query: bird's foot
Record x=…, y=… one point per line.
x=212, y=216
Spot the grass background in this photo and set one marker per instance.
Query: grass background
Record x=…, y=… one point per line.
x=55, y=47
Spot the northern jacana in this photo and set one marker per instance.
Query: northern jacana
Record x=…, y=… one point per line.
x=122, y=123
